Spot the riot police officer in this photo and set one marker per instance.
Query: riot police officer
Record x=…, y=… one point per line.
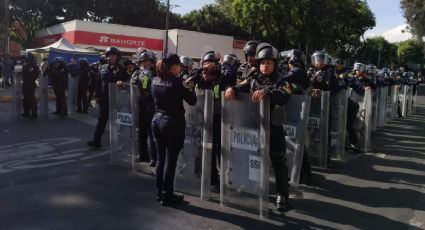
x=186, y=66
x=168, y=124
x=296, y=74
x=83, y=84
x=229, y=68
x=248, y=68
x=30, y=73
x=58, y=73
x=321, y=75
x=268, y=83
x=112, y=72
x=210, y=77
x=143, y=79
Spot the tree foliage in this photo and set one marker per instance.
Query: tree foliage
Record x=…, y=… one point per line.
x=410, y=52
x=414, y=12
x=378, y=51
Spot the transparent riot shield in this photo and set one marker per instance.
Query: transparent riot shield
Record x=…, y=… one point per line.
x=338, y=124
x=245, y=154
x=414, y=98
x=363, y=123
x=409, y=99
x=193, y=173
x=403, y=100
x=297, y=111
x=375, y=108
x=72, y=93
x=123, y=124
x=17, y=92
x=318, y=130
x=394, y=100
x=389, y=104
x=43, y=92
x=382, y=106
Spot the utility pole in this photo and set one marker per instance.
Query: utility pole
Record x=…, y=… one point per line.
x=167, y=18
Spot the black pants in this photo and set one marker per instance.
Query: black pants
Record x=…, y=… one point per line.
x=82, y=100
x=59, y=91
x=29, y=101
x=169, y=133
x=352, y=111
x=102, y=120
x=216, y=150
x=278, y=159
x=145, y=132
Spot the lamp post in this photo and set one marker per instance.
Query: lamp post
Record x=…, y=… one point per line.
x=167, y=21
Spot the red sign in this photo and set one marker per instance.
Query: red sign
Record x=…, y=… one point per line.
x=99, y=39
x=239, y=44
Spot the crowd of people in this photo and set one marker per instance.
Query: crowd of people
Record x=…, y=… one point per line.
x=165, y=83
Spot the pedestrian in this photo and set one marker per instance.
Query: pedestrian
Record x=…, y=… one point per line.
x=168, y=124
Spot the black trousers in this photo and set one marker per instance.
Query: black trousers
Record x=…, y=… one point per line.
x=102, y=120
x=169, y=134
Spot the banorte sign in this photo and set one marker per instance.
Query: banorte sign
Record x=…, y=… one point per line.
x=105, y=40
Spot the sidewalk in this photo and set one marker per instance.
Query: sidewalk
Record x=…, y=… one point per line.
x=51, y=180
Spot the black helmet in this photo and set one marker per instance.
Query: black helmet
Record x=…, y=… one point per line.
x=30, y=57
x=266, y=51
x=230, y=59
x=339, y=62
x=83, y=61
x=319, y=57
x=210, y=56
x=294, y=57
x=147, y=55
x=59, y=59
x=112, y=50
x=128, y=62
x=186, y=61
x=102, y=59
x=371, y=69
x=250, y=48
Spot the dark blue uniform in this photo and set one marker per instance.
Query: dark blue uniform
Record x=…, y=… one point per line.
x=30, y=73
x=143, y=79
x=58, y=73
x=298, y=78
x=108, y=74
x=83, y=85
x=168, y=127
x=274, y=87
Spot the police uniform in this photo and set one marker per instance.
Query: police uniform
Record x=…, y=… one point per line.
x=58, y=73
x=83, y=84
x=109, y=73
x=30, y=73
x=279, y=93
x=143, y=79
x=168, y=127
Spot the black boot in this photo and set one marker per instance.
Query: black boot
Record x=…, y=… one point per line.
x=171, y=199
x=282, y=203
x=94, y=144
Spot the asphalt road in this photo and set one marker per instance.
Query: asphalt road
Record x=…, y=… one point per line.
x=49, y=179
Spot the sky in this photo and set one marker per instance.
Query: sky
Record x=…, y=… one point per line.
x=387, y=12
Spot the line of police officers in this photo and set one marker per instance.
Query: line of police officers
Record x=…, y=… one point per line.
x=266, y=73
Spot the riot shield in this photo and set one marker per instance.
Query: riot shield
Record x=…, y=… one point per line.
x=363, y=123
x=375, y=108
x=382, y=106
x=318, y=130
x=123, y=124
x=297, y=110
x=403, y=99
x=72, y=93
x=394, y=101
x=338, y=124
x=409, y=99
x=43, y=108
x=414, y=98
x=17, y=92
x=245, y=158
x=193, y=172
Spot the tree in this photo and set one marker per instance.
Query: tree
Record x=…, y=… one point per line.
x=378, y=51
x=210, y=19
x=410, y=52
x=414, y=12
